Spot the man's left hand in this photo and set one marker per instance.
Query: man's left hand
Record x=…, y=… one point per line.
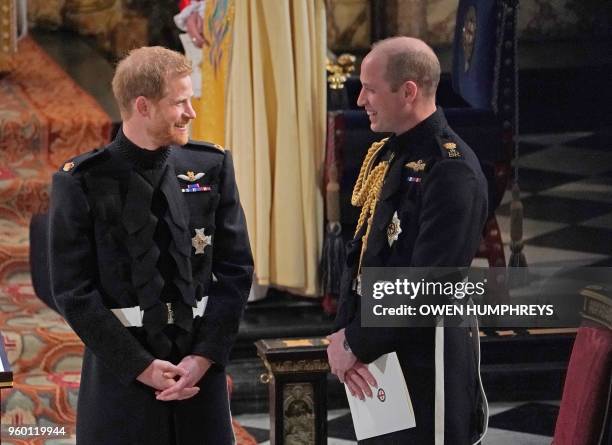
x=339, y=354
x=185, y=387
x=360, y=381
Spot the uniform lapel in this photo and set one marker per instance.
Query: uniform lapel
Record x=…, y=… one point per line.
x=177, y=219
x=385, y=208
x=177, y=207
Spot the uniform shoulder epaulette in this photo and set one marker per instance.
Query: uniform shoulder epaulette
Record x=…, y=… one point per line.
x=449, y=147
x=204, y=145
x=77, y=163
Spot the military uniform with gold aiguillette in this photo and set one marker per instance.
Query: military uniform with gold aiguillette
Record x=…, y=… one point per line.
x=424, y=204
x=150, y=258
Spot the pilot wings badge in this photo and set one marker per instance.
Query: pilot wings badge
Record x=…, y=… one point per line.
x=190, y=176
x=417, y=166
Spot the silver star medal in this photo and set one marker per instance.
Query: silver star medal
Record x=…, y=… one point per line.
x=200, y=241
x=394, y=229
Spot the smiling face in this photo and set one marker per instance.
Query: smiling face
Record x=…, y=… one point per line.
x=386, y=108
x=170, y=116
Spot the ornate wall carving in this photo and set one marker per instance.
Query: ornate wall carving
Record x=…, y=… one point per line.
x=348, y=24
x=434, y=20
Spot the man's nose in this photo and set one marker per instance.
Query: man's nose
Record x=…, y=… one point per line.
x=361, y=99
x=190, y=112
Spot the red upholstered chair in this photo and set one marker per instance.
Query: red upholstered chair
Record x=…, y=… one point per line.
x=585, y=415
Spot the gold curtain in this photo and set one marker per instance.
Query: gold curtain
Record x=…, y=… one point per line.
x=276, y=130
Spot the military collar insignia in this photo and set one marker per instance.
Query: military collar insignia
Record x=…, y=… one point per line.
x=414, y=179
x=200, y=241
x=191, y=176
x=68, y=166
x=451, y=147
x=417, y=166
x=394, y=229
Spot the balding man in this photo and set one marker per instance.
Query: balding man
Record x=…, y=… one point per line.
x=424, y=204
x=151, y=266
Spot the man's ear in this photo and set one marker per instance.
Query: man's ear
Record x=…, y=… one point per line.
x=410, y=90
x=142, y=106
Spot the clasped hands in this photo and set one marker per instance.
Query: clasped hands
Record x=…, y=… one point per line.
x=344, y=364
x=175, y=382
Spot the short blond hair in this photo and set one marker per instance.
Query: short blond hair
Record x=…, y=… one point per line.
x=144, y=72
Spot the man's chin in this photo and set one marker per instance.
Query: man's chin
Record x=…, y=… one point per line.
x=180, y=139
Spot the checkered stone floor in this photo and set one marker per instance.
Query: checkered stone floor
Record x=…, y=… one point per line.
x=566, y=185
x=514, y=423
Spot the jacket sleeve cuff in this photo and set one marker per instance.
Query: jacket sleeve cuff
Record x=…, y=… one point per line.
x=358, y=343
x=368, y=343
x=219, y=355
x=130, y=371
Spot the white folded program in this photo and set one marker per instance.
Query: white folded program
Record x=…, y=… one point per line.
x=131, y=317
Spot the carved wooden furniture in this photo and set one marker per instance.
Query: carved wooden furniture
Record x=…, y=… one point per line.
x=296, y=378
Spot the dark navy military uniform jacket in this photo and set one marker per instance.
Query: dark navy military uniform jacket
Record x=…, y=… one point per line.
x=436, y=186
x=122, y=235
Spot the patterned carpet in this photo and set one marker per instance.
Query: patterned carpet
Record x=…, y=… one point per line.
x=45, y=357
x=45, y=118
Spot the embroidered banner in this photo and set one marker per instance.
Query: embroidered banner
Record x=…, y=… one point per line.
x=217, y=51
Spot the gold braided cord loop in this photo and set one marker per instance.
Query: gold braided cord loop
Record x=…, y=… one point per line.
x=359, y=191
x=367, y=191
x=372, y=188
